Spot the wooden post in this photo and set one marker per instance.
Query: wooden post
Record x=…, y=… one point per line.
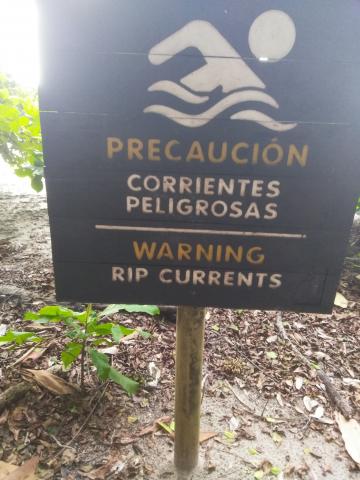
x=190, y=325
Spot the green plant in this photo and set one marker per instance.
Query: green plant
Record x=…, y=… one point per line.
x=20, y=133
x=87, y=332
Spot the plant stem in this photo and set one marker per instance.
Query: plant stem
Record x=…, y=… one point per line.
x=82, y=360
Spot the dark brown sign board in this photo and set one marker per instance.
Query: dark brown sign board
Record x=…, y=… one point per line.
x=201, y=153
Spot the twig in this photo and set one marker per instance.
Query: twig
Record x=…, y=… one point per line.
x=86, y=421
x=203, y=383
x=263, y=410
x=356, y=350
x=333, y=394
x=58, y=443
x=236, y=395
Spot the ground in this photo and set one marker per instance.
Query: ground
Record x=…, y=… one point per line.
x=268, y=412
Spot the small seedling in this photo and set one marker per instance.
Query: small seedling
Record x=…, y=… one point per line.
x=87, y=332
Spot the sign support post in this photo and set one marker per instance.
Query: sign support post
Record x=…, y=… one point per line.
x=190, y=326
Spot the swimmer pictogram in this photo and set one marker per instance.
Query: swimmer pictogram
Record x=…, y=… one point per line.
x=271, y=37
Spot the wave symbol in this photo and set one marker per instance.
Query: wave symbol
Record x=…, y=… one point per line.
x=199, y=120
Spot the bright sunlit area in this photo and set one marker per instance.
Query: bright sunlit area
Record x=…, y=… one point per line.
x=19, y=41
x=19, y=58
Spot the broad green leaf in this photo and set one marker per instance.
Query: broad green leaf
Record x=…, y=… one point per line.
x=114, y=308
x=101, y=362
x=119, y=331
x=70, y=353
x=253, y=451
x=275, y=470
x=19, y=337
x=34, y=317
x=56, y=311
x=129, y=385
x=101, y=328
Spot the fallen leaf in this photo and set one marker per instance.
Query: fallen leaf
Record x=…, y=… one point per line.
x=299, y=382
x=204, y=436
x=34, y=353
x=167, y=429
x=277, y=438
x=132, y=419
x=340, y=301
x=155, y=374
x=279, y=399
x=230, y=436
x=350, y=431
x=353, y=382
x=271, y=355
x=68, y=456
x=234, y=424
x=272, y=339
x=259, y=475
x=101, y=473
x=319, y=412
x=109, y=350
x=309, y=403
x=51, y=382
x=25, y=472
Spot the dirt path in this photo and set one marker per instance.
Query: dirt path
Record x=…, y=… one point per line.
x=268, y=434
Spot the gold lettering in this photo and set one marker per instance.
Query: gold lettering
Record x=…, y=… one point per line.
x=144, y=250
x=135, y=146
x=165, y=251
x=236, y=255
x=234, y=153
x=295, y=154
x=168, y=153
x=279, y=154
x=195, y=152
x=202, y=252
x=154, y=149
x=114, y=145
x=255, y=256
x=223, y=153
x=184, y=250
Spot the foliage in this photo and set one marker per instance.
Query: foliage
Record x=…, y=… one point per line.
x=87, y=332
x=149, y=309
x=20, y=133
x=19, y=337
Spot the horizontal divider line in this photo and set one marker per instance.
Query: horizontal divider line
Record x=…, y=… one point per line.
x=296, y=236
x=97, y=219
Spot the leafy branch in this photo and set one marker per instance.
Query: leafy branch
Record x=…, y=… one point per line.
x=20, y=132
